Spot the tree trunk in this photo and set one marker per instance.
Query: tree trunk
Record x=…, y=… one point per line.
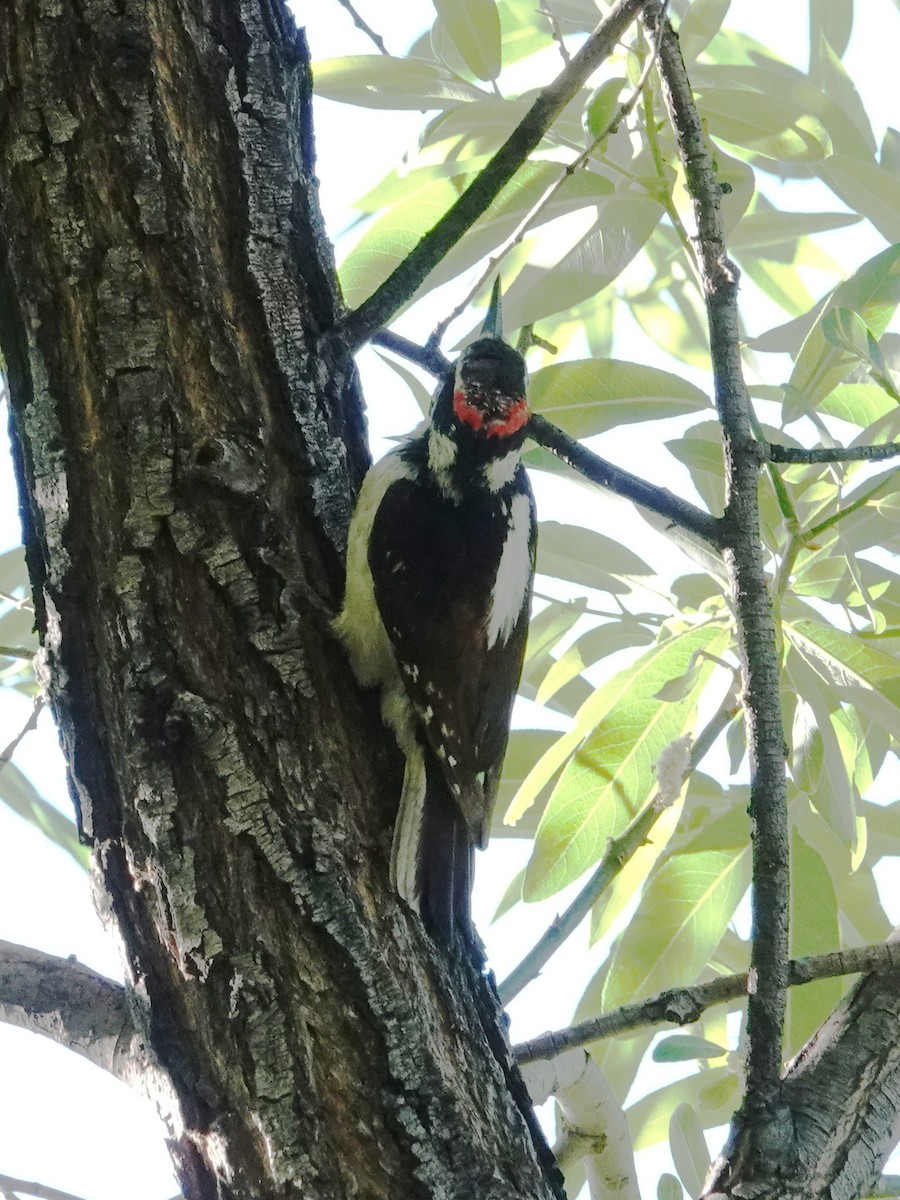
x=188, y=443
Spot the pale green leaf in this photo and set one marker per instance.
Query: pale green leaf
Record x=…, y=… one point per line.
x=874, y=292
x=602, y=105
x=714, y=1095
x=760, y=230
x=860, y=403
x=679, y=922
x=770, y=125
x=624, y=224
x=589, y=649
x=867, y=188
x=688, y=1146
x=701, y=23
x=524, y=749
x=589, y=396
x=380, y=81
x=474, y=26
x=390, y=238
x=575, y=553
x=813, y=930
x=635, y=873
x=668, y=1188
x=839, y=86
x=611, y=775
x=20, y=794
x=684, y=1047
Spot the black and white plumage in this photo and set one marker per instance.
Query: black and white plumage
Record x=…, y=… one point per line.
x=439, y=576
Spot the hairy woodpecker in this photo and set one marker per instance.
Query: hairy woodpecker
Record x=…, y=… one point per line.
x=440, y=565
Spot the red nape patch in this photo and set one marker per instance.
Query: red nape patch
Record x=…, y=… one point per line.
x=503, y=424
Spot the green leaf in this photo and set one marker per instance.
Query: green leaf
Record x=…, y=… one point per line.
x=683, y=1047
x=624, y=224
x=590, y=396
x=819, y=768
x=474, y=26
x=813, y=930
x=635, y=873
x=390, y=238
x=20, y=794
x=860, y=403
x=874, y=292
x=380, y=81
x=574, y=553
x=840, y=88
x=524, y=748
x=761, y=230
x=770, y=125
x=714, y=1095
x=867, y=188
x=589, y=649
x=679, y=921
x=602, y=105
x=844, y=660
x=688, y=1146
x=701, y=23
x=668, y=1188
x=611, y=775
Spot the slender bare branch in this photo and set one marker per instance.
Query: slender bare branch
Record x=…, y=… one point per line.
x=74, y=1006
x=656, y=499
x=364, y=27
x=830, y=454
x=30, y=724
x=10, y=1187
x=402, y=283
x=762, y=1108
x=682, y=1006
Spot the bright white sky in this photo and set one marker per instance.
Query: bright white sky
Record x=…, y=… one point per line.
x=52, y=1103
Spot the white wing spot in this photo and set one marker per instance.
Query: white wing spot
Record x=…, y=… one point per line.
x=513, y=575
x=451, y=761
x=500, y=472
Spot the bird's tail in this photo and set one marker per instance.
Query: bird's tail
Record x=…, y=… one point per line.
x=431, y=856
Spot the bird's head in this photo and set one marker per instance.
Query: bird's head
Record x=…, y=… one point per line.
x=489, y=389
x=489, y=385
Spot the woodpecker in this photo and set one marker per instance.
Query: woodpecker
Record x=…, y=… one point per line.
x=440, y=565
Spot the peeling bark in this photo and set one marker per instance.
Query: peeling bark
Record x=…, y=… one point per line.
x=187, y=447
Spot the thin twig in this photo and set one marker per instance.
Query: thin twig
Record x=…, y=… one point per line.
x=753, y=606
x=428, y=357
x=831, y=454
x=36, y=709
x=10, y=1186
x=655, y=499
x=555, y=31
x=366, y=29
x=403, y=281
x=682, y=1006
x=619, y=851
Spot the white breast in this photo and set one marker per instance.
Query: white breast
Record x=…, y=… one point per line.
x=513, y=574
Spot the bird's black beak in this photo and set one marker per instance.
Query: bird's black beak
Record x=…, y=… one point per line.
x=493, y=322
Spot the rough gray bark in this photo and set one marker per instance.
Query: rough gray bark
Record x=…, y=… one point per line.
x=180, y=433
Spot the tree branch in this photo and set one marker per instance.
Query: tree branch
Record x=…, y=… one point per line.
x=830, y=454
x=762, y=1111
x=75, y=1007
x=656, y=499
x=682, y=1006
x=403, y=281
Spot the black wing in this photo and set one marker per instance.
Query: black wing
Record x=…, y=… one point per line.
x=434, y=566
